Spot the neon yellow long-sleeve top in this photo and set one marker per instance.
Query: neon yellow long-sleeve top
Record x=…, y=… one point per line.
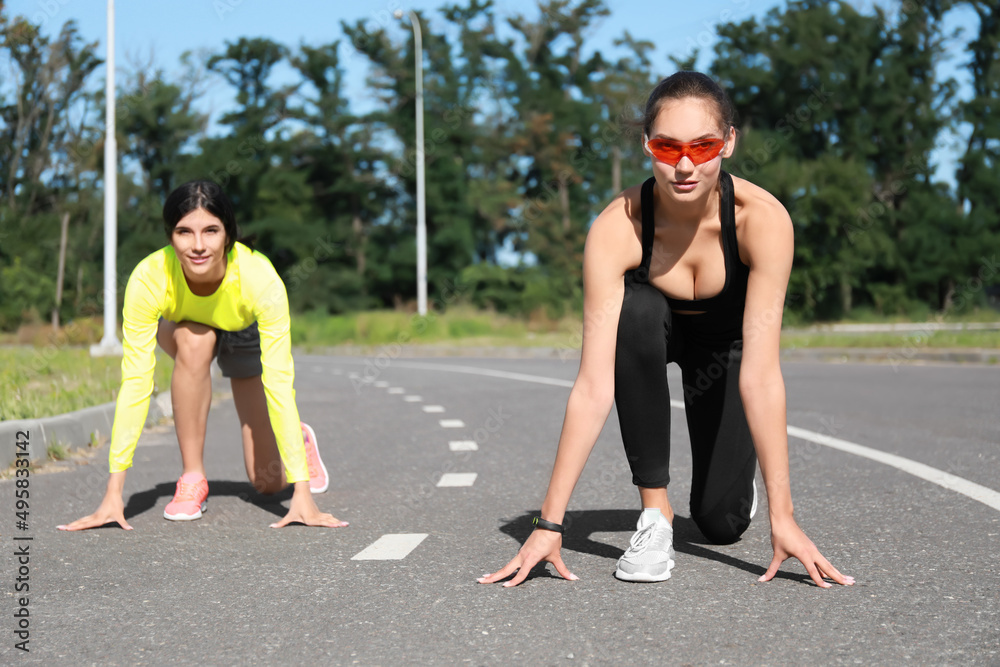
x=251, y=292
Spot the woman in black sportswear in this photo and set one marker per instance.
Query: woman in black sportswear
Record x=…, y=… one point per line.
x=691, y=267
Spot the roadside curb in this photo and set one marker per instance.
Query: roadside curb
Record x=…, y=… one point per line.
x=73, y=429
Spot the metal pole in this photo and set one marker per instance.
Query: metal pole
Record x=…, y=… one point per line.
x=421, y=202
x=109, y=345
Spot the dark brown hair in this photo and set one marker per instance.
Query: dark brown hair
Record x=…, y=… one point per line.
x=689, y=84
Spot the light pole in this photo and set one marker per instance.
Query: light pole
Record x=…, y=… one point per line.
x=109, y=345
x=421, y=213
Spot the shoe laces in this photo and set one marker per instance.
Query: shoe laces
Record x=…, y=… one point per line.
x=311, y=458
x=641, y=539
x=187, y=491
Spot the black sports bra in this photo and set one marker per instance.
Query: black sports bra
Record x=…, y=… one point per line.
x=732, y=298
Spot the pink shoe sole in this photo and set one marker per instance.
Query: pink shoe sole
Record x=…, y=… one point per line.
x=319, y=485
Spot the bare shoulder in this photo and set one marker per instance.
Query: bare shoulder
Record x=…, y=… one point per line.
x=761, y=220
x=754, y=204
x=614, y=238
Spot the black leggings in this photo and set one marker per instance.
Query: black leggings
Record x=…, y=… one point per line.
x=650, y=336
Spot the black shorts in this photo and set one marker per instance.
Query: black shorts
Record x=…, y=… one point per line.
x=238, y=352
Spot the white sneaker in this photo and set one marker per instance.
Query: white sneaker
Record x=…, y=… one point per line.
x=650, y=555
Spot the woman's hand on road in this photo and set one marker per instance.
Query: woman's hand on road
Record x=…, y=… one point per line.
x=112, y=509
x=788, y=541
x=541, y=545
x=303, y=510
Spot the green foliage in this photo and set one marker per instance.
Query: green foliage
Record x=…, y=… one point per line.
x=458, y=326
x=528, y=136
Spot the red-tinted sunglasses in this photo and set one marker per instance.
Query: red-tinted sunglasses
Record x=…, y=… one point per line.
x=671, y=152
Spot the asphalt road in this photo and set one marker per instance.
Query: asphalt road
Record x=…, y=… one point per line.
x=228, y=590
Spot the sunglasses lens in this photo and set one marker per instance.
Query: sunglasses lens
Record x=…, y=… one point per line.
x=671, y=152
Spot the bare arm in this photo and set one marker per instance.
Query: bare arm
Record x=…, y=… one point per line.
x=610, y=250
x=768, y=240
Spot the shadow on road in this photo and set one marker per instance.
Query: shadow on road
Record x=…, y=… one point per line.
x=580, y=525
x=143, y=501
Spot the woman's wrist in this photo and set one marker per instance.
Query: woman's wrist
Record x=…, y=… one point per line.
x=116, y=483
x=552, y=514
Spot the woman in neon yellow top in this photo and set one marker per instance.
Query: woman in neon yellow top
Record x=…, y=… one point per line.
x=205, y=295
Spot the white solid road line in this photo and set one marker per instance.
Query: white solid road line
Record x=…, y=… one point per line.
x=976, y=492
x=457, y=479
x=433, y=408
x=463, y=446
x=391, y=547
x=951, y=482
x=452, y=423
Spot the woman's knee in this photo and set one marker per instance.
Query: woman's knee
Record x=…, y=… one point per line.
x=727, y=520
x=722, y=527
x=194, y=344
x=267, y=479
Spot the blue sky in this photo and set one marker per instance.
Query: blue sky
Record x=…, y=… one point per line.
x=161, y=31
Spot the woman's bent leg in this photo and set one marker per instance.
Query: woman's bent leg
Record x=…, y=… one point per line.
x=260, y=449
x=192, y=347
x=721, y=445
x=641, y=393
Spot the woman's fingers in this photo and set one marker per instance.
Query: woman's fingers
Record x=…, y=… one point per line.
x=772, y=568
x=561, y=568
x=79, y=524
x=830, y=572
x=318, y=519
x=328, y=521
x=814, y=574
x=522, y=573
x=502, y=573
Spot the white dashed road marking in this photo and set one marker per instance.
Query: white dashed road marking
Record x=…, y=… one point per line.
x=396, y=390
x=381, y=384
x=457, y=479
x=433, y=408
x=452, y=423
x=391, y=547
x=969, y=489
x=463, y=446
x=413, y=399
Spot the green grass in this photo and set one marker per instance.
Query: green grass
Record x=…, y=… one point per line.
x=52, y=380
x=57, y=452
x=458, y=326
x=916, y=339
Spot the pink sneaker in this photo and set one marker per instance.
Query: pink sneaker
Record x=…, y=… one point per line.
x=189, y=499
x=319, y=480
